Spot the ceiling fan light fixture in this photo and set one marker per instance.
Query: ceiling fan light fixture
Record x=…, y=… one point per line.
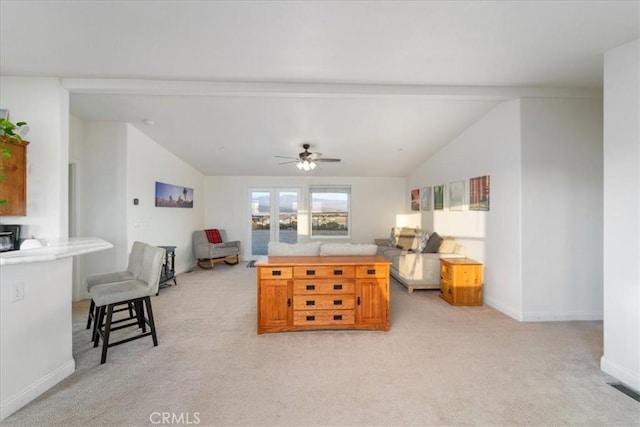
x=306, y=165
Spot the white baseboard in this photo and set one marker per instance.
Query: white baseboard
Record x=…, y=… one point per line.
x=542, y=316
x=19, y=400
x=502, y=308
x=622, y=374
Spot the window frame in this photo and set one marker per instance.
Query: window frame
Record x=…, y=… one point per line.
x=336, y=189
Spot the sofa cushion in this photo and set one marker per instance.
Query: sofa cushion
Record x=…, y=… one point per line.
x=338, y=249
x=448, y=246
x=293, y=249
x=433, y=244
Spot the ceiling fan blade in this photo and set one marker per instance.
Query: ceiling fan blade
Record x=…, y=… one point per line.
x=286, y=157
x=286, y=163
x=325, y=159
x=314, y=156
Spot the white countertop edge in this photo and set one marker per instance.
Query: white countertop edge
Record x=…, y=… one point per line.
x=54, y=250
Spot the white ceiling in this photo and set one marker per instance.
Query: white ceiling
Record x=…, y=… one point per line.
x=383, y=85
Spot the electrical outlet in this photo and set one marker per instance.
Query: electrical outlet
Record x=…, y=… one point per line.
x=17, y=292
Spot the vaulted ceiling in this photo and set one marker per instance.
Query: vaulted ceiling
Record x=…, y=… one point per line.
x=382, y=85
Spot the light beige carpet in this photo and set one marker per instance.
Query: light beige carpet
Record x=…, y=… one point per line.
x=439, y=365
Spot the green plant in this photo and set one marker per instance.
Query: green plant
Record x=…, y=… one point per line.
x=10, y=133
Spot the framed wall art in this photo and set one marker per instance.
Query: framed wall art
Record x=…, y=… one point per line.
x=456, y=195
x=479, y=194
x=438, y=197
x=415, y=199
x=425, y=198
x=173, y=196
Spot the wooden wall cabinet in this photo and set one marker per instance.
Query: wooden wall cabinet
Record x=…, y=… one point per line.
x=14, y=187
x=461, y=281
x=309, y=293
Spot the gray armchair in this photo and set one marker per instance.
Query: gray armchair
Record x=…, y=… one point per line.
x=209, y=254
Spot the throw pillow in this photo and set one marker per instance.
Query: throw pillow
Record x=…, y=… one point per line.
x=433, y=244
x=421, y=242
x=213, y=235
x=406, y=238
x=393, y=239
x=448, y=246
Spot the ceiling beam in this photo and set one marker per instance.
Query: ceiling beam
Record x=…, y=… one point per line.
x=289, y=89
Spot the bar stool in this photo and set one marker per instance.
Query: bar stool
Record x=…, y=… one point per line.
x=137, y=292
x=119, y=276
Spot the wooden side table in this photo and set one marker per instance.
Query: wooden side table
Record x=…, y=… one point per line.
x=461, y=281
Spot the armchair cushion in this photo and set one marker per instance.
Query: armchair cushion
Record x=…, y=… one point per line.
x=205, y=250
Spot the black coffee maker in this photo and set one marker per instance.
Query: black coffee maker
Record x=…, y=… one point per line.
x=10, y=237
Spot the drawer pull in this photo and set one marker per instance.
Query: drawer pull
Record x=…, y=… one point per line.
x=288, y=302
x=337, y=317
x=358, y=301
x=371, y=271
x=337, y=302
x=311, y=287
x=311, y=302
x=311, y=272
x=311, y=318
x=337, y=286
x=337, y=272
x=276, y=273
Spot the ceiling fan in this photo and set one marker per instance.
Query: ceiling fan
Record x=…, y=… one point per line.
x=306, y=159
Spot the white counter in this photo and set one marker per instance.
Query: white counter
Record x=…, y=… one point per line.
x=36, y=350
x=53, y=250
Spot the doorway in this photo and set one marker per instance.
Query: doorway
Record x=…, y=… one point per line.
x=274, y=217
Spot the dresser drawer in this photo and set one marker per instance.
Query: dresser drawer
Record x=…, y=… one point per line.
x=324, y=317
x=379, y=271
x=323, y=302
x=312, y=287
x=445, y=271
x=324, y=272
x=276, y=272
x=445, y=286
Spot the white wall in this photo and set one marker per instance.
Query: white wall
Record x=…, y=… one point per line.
x=148, y=162
x=102, y=184
x=540, y=242
x=116, y=163
x=622, y=214
x=44, y=105
x=561, y=214
x=491, y=147
x=375, y=202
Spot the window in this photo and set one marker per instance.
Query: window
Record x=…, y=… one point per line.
x=330, y=207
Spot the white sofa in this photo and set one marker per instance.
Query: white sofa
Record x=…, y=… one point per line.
x=415, y=269
x=320, y=249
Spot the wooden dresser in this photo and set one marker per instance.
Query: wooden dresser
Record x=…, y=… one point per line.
x=461, y=281
x=297, y=293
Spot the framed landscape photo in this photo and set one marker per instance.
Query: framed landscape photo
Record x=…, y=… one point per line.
x=425, y=198
x=479, y=194
x=438, y=197
x=173, y=196
x=415, y=199
x=456, y=195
